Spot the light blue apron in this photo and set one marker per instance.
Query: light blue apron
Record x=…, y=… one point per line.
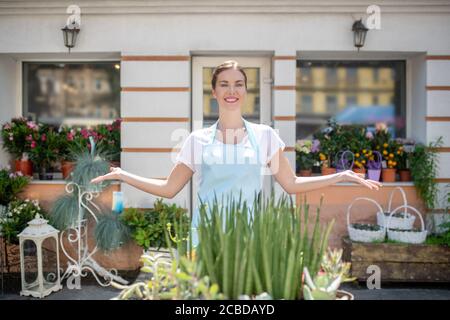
x=228, y=170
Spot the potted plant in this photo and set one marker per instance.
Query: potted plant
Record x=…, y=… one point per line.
x=67, y=141
x=406, y=146
x=304, y=156
x=424, y=164
x=14, y=136
x=388, y=148
x=108, y=137
x=330, y=144
x=147, y=226
x=11, y=184
x=12, y=221
x=44, y=150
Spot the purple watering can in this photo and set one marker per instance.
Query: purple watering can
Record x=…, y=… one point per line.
x=374, y=167
x=344, y=160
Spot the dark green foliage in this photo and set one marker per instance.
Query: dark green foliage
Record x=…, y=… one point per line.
x=148, y=226
x=110, y=232
x=64, y=213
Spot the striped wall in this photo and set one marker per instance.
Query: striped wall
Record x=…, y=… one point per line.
x=283, y=70
x=438, y=113
x=155, y=104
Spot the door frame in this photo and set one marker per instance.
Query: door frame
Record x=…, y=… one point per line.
x=265, y=84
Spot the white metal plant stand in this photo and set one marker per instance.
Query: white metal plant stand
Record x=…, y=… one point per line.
x=77, y=236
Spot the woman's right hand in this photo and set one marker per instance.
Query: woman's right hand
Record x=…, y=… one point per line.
x=114, y=174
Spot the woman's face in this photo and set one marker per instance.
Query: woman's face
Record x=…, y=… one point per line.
x=230, y=90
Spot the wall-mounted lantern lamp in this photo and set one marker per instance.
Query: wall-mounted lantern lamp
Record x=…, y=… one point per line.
x=70, y=33
x=359, y=33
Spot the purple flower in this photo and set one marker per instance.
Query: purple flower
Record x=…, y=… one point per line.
x=315, y=146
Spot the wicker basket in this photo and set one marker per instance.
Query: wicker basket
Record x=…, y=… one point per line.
x=405, y=222
x=365, y=235
x=406, y=236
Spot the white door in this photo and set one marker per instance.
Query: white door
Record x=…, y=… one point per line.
x=258, y=105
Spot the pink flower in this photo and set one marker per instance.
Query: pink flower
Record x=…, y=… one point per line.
x=109, y=127
x=70, y=136
x=43, y=137
x=29, y=137
x=11, y=138
x=85, y=133
x=33, y=144
x=7, y=126
x=31, y=125
x=19, y=173
x=381, y=127
x=369, y=135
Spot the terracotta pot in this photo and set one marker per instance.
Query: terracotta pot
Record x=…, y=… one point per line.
x=359, y=170
x=388, y=175
x=66, y=168
x=328, y=170
x=25, y=166
x=305, y=173
x=405, y=175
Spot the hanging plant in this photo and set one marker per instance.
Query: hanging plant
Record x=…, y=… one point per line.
x=64, y=213
x=89, y=165
x=110, y=232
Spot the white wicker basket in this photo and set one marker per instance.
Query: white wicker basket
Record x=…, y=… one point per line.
x=365, y=235
x=406, y=236
x=405, y=222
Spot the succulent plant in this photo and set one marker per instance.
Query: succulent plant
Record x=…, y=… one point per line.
x=326, y=283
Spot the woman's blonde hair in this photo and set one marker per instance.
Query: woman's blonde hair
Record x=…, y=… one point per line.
x=229, y=64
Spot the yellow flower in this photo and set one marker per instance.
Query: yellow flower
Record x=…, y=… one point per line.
x=322, y=157
x=364, y=151
x=391, y=155
x=390, y=162
x=357, y=155
x=400, y=148
x=398, y=152
x=378, y=147
x=385, y=152
x=370, y=152
x=394, y=163
x=385, y=145
x=363, y=161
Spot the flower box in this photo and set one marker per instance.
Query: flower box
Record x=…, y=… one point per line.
x=399, y=262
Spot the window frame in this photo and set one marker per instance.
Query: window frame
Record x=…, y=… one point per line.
x=54, y=59
x=401, y=65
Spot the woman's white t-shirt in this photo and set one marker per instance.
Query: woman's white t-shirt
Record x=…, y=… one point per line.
x=268, y=140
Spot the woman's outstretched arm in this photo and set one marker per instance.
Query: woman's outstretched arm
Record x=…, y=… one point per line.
x=166, y=188
x=292, y=184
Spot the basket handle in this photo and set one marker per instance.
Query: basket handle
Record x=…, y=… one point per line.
x=362, y=198
x=405, y=202
x=342, y=158
x=406, y=207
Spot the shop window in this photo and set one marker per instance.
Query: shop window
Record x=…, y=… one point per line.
x=71, y=93
x=351, y=92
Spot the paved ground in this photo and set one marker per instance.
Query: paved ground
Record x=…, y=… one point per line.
x=91, y=291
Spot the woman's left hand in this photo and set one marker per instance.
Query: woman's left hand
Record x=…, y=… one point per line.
x=351, y=176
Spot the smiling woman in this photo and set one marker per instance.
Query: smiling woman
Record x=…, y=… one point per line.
x=230, y=157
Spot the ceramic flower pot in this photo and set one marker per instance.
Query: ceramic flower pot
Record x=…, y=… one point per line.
x=328, y=170
x=360, y=170
x=388, y=175
x=374, y=174
x=25, y=166
x=305, y=173
x=66, y=168
x=405, y=175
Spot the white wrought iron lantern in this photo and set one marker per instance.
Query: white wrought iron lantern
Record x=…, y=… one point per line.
x=39, y=259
